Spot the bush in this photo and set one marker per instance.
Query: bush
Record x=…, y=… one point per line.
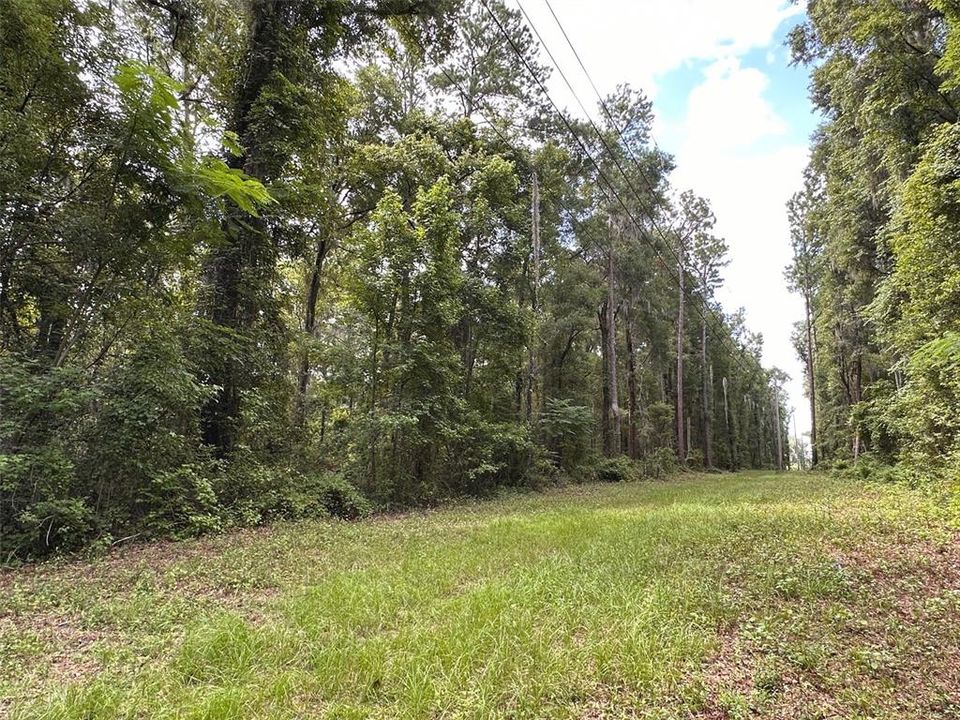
x=339, y=498
x=568, y=430
x=51, y=525
x=618, y=469
x=695, y=459
x=659, y=463
x=182, y=501
x=263, y=493
x=42, y=414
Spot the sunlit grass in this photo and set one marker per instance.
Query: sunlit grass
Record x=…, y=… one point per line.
x=532, y=606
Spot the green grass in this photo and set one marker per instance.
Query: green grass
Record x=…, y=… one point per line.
x=705, y=595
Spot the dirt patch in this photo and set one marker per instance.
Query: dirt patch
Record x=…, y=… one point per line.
x=889, y=649
x=68, y=651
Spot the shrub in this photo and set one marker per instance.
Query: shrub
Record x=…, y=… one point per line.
x=339, y=498
x=51, y=525
x=659, y=463
x=695, y=459
x=568, y=431
x=618, y=469
x=263, y=493
x=42, y=413
x=182, y=501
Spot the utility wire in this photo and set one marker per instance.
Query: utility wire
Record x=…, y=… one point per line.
x=509, y=144
x=586, y=152
x=625, y=144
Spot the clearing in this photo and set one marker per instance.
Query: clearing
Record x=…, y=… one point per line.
x=752, y=595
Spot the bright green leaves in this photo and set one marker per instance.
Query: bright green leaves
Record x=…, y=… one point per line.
x=942, y=352
x=926, y=243
x=153, y=97
x=877, y=245
x=231, y=143
x=145, y=84
x=217, y=179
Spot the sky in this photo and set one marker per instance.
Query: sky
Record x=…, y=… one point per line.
x=730, y=109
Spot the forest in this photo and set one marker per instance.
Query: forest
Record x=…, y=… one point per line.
x=278, y=259
x=346, y=372
x=874, y=231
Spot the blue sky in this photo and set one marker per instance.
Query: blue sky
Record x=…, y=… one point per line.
x=732, y=111
x=787, y=92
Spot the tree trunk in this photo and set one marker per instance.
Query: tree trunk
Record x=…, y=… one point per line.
x=731, y=442
x=240, y=270
x=814, y=457
x=309, y=329
x=611, y=321
x=605, y=411
x=533, y=395
x=705, y=402
x=681, y=438
x=776, y=420
x=632, y=449
x=856, y=397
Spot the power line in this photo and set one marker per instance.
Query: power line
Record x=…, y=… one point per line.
x=507, y=142
x=626, y=146
x=583, y=148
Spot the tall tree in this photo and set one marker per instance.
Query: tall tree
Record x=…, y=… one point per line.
x=707, y=258
x=696, y=220
x=803, y=277
x=286, y=78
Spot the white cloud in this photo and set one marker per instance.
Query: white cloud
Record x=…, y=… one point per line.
x=722, y=156
x=728, y=110
x=638, y=41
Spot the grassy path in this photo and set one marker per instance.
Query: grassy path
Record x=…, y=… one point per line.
x=710, y=597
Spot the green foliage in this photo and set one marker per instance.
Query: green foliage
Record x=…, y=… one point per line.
x=39, y=418
x=312, y=495
x=256, y=264
x=568, y=431
x=875, y=232
x=617, y=469
x=216, y=179
x=659, y=464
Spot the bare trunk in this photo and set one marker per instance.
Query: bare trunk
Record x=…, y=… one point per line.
x=705, y=402
x=309, y=328
x=605, y=411
x=532, y=369
x=856, y=397
x=731, y=447
x=813, y=383
x=632, y=388
x=776, y=420
x=681, y=438
x=611, y=320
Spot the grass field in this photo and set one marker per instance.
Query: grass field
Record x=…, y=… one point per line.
x=708, y=597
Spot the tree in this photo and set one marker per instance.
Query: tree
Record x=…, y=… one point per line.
x=695, y=222
x=707, y=258
x=803, y=277
x=280, y=105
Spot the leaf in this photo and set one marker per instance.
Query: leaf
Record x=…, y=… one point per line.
x=218, y=179
x=231, y=143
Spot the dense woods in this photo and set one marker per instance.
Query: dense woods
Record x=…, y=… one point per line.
x=284, y=258
x=876, y=235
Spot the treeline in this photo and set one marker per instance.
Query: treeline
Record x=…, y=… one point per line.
x=279, y=258
x=876, y=234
